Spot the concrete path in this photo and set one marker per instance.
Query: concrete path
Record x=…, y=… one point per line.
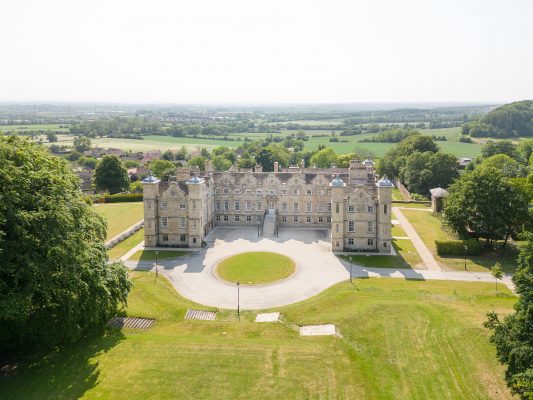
x=428, y=259
x=317, y=269
x=131, y=252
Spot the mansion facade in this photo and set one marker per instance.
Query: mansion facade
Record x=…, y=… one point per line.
x=350, y=202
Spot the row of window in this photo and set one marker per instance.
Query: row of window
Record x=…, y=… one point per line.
x=248, y=218
x=272, y=192
x=369, y=226
x=369, y=242
x=164, y=222
x=361, y=208
x=296, y=218
x=248, y=206
x=182, y=206
x=236, y=218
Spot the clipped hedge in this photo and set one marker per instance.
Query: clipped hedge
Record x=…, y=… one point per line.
x=123, y=198
x=457, y=247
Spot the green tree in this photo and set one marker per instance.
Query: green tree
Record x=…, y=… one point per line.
x=55, y=282
x=168, y=156
x=424, y=171
x=513, y=337
x=220, y=163
x=111, y=175
x=507, y=147
x=51, y=136
x=88, y=162
x=266, y=156
x=82, y=144
x=132, y=164
x=162, y=168
x=507, y=165
x=485, y=203
x=324, y=158
x=395, y=159
x=245, y=163
x=497, y=273
x=197, y=161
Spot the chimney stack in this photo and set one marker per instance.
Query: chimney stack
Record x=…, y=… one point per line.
x=258, y=168
x=276, y=166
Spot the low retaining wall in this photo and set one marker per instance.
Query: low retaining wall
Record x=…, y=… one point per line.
x=124, y=235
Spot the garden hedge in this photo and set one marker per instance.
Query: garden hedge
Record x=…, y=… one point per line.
x=122, y=198
x=457, y=247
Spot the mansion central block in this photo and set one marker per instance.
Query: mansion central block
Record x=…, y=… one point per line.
x=350, y=202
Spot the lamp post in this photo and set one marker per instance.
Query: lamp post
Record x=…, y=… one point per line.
x=238, y=301
x=258, y=228
x=466, y=252
x=156, y=269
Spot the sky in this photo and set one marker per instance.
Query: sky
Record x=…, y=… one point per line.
x=275, y=51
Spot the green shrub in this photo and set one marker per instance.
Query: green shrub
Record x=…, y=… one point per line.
x=122, y=198
x=457, y=247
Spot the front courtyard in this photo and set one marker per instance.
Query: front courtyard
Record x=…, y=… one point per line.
x=316, y=269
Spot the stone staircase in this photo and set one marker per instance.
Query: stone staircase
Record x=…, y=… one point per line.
x=270, y=225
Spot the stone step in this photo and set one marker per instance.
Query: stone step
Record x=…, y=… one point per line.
x=131, y=322
x=200, y=315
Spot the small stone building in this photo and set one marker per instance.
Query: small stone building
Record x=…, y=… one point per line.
x=437, y=196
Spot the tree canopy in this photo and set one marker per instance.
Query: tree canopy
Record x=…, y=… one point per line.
x=162, y=168
x=111, y=175
x=55, y=283
x=324, y=158
x=486, y=204
x=419, y=164
x=509, y=120
x=513, y=336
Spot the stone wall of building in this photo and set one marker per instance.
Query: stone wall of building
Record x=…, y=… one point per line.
x=348, y=201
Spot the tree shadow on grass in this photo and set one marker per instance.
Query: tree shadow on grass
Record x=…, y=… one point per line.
x=62, y=374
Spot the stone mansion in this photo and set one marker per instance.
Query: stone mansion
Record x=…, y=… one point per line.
x=349, y=202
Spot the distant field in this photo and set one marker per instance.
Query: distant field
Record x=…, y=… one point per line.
x=36, y=127
x=163, y=143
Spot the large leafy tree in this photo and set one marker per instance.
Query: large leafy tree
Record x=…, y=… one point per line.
x=485, y=203
x=55, y=282
x=513, y=336
x=424, y=171
x=111, y=175
x=82, y=144
x=396, y=158
x=324, y=158
x=162, y=168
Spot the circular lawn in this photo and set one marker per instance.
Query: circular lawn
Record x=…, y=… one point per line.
x=255, y=268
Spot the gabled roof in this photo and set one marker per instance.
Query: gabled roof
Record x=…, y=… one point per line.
x=439, y=192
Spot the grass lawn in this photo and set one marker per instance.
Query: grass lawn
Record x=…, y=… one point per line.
x=397, y=343
x=429, y=228
x=406, y=257
x=149, y=255
x=397, y=230
x=126, y=245
x=120, y=216
x=255, y=268
x=396, y=194
x=411, y=205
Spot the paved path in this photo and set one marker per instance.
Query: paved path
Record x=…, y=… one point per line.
x=318, y=269
x=132, y=251
x=428, y=259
